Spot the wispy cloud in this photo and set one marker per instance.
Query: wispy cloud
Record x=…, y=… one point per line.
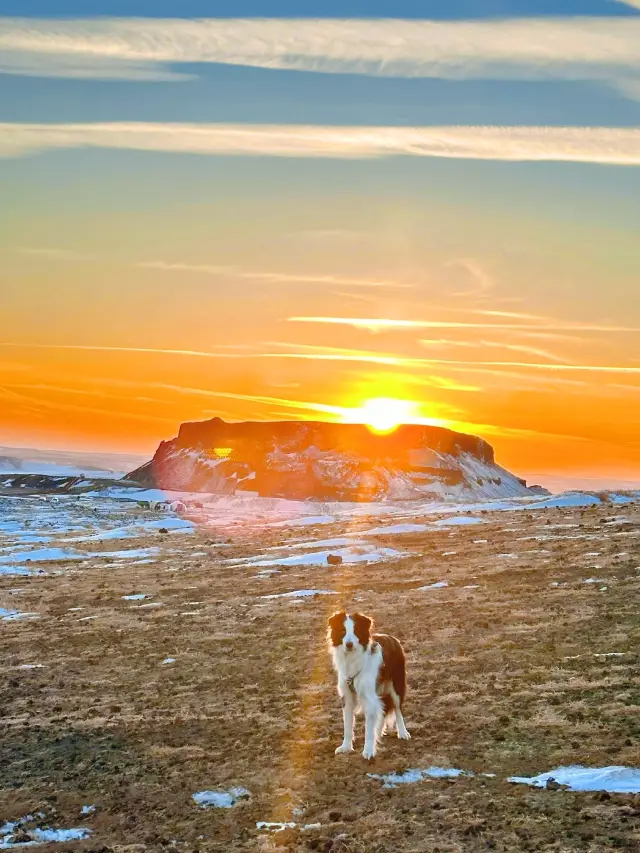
x=519, y=48
x=500, y=345
x=379, y=324
x=270, y=277
x=306, y=352
x=598, y=145
x=481, y=281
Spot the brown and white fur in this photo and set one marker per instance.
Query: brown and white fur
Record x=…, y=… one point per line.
x=372, y=678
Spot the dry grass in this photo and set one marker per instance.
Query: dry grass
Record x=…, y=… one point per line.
x=504, y=679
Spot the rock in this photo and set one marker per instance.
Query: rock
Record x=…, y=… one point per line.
x=162, y=530
x=552, y=785
x=334, y=559
x=325, y=461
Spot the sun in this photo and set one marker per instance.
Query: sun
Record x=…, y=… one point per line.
x=384, y=414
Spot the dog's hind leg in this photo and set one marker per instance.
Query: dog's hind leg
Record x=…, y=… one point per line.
x=403, y=734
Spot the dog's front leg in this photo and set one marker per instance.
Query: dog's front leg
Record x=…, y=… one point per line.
x=348, y=714
x=373, y=716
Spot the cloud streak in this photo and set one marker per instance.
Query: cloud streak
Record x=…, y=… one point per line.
x=270, y=277
x=574, y=48
x=597, y=145
x=373, y=324
x=306, y=352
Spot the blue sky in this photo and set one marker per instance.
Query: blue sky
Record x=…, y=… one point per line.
x=436, y=201
x=315, y=8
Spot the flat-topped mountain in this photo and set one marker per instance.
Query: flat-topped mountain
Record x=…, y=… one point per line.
x=328, y=461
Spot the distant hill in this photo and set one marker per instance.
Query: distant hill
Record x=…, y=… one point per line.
x=310, y=460
x=65, y=463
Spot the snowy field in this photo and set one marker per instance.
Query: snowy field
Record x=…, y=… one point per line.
x=166, y=685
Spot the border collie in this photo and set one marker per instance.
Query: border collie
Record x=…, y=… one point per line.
x=372, y=677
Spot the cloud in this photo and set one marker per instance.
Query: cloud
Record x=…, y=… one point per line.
x=601, y=145
x=573, y=48
x=306, y=352
x=523, y=348
x=379, y=324
x=271, y=277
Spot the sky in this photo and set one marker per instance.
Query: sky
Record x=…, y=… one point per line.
x=294, y=207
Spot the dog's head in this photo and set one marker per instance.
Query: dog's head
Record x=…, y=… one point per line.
x=350, y=631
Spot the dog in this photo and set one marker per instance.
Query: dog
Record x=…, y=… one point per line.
x=372, y=677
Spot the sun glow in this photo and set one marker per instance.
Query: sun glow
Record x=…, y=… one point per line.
x=384, y=414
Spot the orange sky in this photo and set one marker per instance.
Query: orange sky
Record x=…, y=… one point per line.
x=149, y=292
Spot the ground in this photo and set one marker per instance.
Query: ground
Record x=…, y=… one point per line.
x=512, y=671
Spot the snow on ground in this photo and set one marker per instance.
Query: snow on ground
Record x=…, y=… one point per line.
x=457, y=520
x=171, y=525
x=220, y=799
x=392, y=780
x=41, y=555
x=570, y=499
x=301, y=593
x=12, y=615
x=436, y=585
x=130, y=554
x=38, y=835
x=320, y=543
x=396, y=528
x=615, y=780
x=15, y=571
x=363, y=554
x=223, y=511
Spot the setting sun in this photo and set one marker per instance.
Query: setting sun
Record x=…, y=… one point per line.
x=384, y=414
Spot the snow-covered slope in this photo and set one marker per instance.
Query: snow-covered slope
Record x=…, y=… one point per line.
x=301, y=460
x=65, y=463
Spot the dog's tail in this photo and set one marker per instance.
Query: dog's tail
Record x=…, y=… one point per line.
x=399, y=674
x=395, y=664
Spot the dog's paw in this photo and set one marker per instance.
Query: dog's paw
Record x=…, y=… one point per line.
x=344, y=748
x=368, y=753
x=404, y=735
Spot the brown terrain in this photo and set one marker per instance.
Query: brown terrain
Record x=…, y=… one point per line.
x=508, y=675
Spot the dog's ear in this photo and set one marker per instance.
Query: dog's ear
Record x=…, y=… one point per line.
x=336, y=619
x=363, y=628
x=336, y=628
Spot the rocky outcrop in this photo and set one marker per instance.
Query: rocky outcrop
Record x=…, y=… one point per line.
x=326, y=461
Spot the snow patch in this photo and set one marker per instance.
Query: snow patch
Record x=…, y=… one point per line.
x=37, y=835
x=301, y=593
x=437, y=585
x=41, y=555
x=13, y=615
x=392, y=780
x=220, y=799
x=457, y=520
x=396, y=528
x=615, y=780
x=364, y=554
